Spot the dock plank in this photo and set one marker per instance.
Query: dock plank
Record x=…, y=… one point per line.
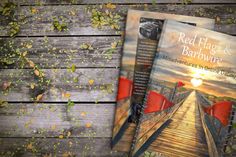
x=53, y=120
x=62, y=52
x=25, y=147
x=93, y=85
x=80, y=24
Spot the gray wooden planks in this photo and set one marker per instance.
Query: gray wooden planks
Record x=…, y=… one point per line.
x=25, y=147
x=53, y=120
x=102, y=87
x=43, y=2
x=62, y=52
x=39, y=24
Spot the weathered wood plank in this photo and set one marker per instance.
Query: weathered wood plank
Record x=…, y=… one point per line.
x=43, y=2
x=91, y=85
x=27, y=147
x=39, y=24
x=62, y=52
x=53, y=120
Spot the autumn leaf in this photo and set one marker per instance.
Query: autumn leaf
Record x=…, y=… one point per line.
x=31, y=64
x=86, y=46
x=67, y=154
x=47, y=155
x=28, y=46
x=39, y=97
x=36, y=72
x=114, y=45
x=34, y=10
x=68, y=134
x=88, y=125
x=61, y=136
x=91, y=82
x=6, y=85
x=83, y=114
x=32, y=85
x=66, y=95
x=24, y=53
x=110, y=6
x=30, y=146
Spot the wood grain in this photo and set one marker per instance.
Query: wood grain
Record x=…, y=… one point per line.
x=53, y=120
x=48, y=2
x=80, y=24
x=103, y=87
x=25, y=147
x=62, y=52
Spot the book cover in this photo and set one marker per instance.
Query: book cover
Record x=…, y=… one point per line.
x=138, y=54
x=189, y=107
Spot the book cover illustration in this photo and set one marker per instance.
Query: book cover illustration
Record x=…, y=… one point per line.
x=189, y=108
x=137, y=58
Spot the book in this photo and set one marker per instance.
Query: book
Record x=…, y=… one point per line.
x=138, y=54
x=189, y=107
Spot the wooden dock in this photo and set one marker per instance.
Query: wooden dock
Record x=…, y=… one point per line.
x=184, y=136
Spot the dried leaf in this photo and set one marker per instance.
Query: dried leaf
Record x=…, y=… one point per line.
x=68, y=134
x=34, y=10
x=91, y=82
x=39, y=97
x=31, y=64
x=30, y=146
x=88, y=125
x=36, y=72
x=66, y=95
x=28, y=46
x=61, y=136
x=83, y=114
x=6, y=85
x=114, y=45
x=24, y=53
x=32, y=85
x=110, y=6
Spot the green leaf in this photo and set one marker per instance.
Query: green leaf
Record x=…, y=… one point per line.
x=70, y=104
x=73, y=68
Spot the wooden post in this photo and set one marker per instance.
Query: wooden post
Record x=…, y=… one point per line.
x=173, y=93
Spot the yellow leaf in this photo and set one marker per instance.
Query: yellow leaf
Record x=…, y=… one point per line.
x=30, y=146
x=69, y=134
x=32, y=85
x=114, y=45
x=36, y=72
x=91, y=82
x=61, y=136
x=67, y=154
x=66, y=95
x=88, y=125
x=24, y=53
x=34, y=10
x=28, y=46
x=110, y=6
x=83, y=114
x=31, y=64
x=39, y=97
